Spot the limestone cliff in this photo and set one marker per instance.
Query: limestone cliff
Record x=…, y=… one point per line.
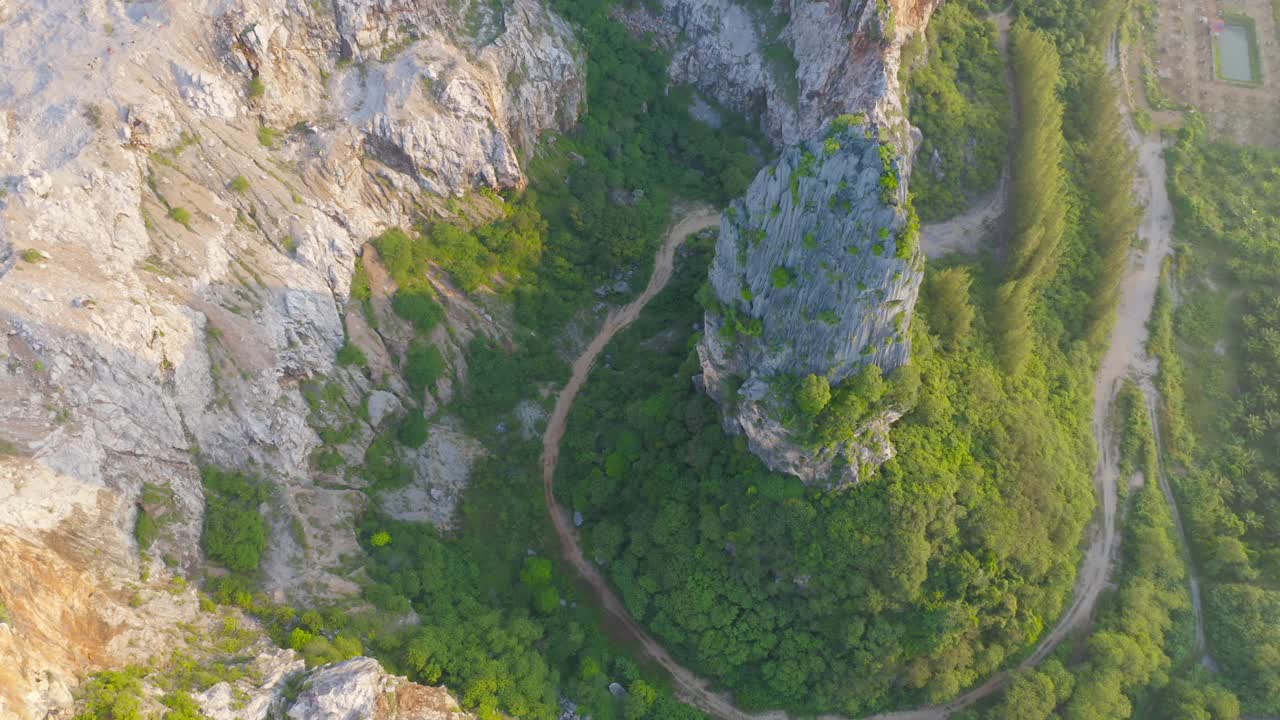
x=185, y=188
x=795, y=64
x=816, y=272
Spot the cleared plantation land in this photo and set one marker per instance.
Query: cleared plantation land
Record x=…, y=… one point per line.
x=1237, y=110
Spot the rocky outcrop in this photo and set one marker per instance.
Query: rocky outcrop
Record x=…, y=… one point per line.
x=816, y=272
x=258, y=695
x=185, y=188
x=795, y=64
x=359, y=689
x=454, y=93
x=458, y=114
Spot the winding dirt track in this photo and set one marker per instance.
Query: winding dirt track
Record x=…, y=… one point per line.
x=1126, y=353
x=688, y=686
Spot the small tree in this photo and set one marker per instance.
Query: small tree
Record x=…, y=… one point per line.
x=546, y=599
x=950, y=313
x=413, y=430
x=537, y=571
x=813, y=395
x=423, y=367
x=351, y=354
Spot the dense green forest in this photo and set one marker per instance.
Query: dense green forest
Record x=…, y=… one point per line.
x=958, y=97
x=951, y=561
x=1223, y=333
x=909, y=587
x=499, y=625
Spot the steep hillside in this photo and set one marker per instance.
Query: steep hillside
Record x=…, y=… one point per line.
x=185, y=190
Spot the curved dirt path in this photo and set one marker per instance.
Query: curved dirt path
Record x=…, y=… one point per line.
x=689, y=687
x=964, y=232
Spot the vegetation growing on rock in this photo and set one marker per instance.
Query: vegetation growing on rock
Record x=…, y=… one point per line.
x=235, y=533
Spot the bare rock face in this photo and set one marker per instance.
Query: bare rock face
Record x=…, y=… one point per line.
x=359, y=689
x=452, y=93
x=816, y=272
x=795, y=64
x=185, y=188
x=253, y=698
x=458, y=113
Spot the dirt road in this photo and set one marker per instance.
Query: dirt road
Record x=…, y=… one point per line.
x=965, y=232
x=689, y=687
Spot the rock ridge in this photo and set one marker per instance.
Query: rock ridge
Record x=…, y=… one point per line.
x=816, y=272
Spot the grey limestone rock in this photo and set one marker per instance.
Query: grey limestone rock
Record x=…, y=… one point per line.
x=795, y=64
x=817, y=271
x=139, y=341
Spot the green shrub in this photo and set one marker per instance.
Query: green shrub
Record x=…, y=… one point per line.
x=299, y=638
x=546, y=599
x=423, y=367
x=383, y=467
x=113, y=695
x=145, y=530
x=351, y=354
x=267, y=136
x=32, y=255
x=182, y=707
x=239, y=184
x=813, y=395
x=395, y=247
x=361, y=290
x=235, y=533
x=257, y=88
x=327, y=459
x=782, y=277
x=413, y=430
x=418, y=307
x=181, y=215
